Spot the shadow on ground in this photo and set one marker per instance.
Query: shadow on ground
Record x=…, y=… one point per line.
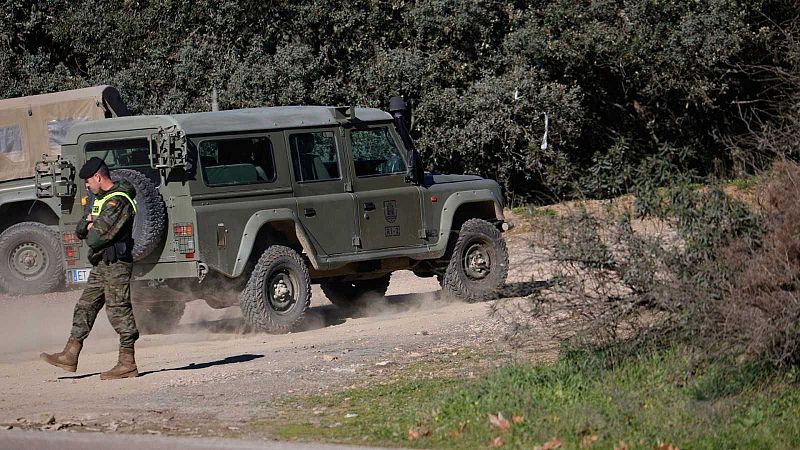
x=191, y=366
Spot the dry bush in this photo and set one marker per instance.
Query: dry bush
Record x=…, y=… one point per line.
x=700, y=268
x=760, y=315
x=606, y=282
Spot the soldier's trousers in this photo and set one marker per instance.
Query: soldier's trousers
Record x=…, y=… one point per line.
x=109, y=285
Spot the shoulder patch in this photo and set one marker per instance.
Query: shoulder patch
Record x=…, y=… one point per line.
x=111, y=203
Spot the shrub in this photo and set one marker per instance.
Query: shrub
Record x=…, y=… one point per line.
x=685, y=263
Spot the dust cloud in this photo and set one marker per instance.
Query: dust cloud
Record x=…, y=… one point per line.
x=33, y=324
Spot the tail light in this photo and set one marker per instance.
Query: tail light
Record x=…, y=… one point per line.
x=184, y=239
x=71, y=254
x=184, y=230
x=69, y=238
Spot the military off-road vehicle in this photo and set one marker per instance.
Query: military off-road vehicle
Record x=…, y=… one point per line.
x=252, y=206
x=31, y=255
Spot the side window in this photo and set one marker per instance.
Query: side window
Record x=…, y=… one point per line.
x=375, y=153
x=125, y=154
x=234, y=161
x=11, y=143
x=314, y=156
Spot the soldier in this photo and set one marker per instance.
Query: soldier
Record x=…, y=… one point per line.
x=108, y=232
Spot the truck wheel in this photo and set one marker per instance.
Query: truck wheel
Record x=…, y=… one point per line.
x=150, y=221
x=31, y=260
x=158, y=317
x=353, y=294
x=479, y=264
x=278, y=293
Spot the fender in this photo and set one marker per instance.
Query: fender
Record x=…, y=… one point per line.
x=254, y=224
x=14, y=193
x=451, y=206
x=18, y=200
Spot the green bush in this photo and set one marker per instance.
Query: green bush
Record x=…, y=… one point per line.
x=620, y=81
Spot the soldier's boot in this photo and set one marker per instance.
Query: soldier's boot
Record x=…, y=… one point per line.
x=66, y=359
x=125, y=368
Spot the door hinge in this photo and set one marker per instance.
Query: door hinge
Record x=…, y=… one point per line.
x=356, y=241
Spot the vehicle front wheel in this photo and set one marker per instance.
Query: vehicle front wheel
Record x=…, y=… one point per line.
x=479, y=265
x=355, y=294
x=278, y=293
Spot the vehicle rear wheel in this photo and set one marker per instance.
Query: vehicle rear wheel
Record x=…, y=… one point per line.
x=479, y=264
x=278, y=293
x=157, y=317
x=31, y=260
x=150, y=221
x=354, y=294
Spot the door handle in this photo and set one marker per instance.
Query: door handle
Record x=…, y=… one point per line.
x=369, y=206
x=310, y=212
x=222, y=235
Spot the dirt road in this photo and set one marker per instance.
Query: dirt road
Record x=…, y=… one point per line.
x=209, y=379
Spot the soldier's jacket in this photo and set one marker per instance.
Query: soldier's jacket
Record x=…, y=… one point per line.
x=113, y=224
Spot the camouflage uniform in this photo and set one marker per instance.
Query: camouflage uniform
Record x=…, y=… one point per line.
x=109, y=281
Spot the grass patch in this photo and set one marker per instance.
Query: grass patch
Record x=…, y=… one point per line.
x=644, y=402
x=531, y=212
x=744, y=184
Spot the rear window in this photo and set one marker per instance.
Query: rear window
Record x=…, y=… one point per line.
x=125, y=154
x=237, y=161
x=57, y=131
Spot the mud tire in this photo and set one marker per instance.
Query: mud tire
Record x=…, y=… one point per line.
x=477, y=237
x=42, y=244
x=150, y=221
x=282, y=268
x=354, y=294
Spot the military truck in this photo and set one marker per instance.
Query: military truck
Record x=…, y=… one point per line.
x=252, y=206
x=31, y=259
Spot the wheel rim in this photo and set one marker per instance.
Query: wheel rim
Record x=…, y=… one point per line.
x=477, y=261
x=281, y=290
x=28, y=260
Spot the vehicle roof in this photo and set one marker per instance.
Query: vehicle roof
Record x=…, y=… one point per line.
x=56, y=97
x=231, y=121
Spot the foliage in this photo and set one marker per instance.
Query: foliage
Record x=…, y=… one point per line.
x=581, y=401
x=683, y=263
x=619, y=80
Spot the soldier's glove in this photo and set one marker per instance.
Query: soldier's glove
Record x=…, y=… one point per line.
x=95, y=257
x=82, y=229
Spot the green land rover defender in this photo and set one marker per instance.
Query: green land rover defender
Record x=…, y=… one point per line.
x=252, y=206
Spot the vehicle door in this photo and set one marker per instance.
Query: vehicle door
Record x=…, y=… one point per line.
x=241, y=174
x=322, y=189
x=388, y=205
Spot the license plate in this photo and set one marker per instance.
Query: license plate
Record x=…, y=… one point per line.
x=78, y=275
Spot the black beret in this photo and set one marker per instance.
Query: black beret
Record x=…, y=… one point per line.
x=91, y=167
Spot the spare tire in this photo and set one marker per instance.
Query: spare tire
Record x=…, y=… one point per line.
x=150, y=221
